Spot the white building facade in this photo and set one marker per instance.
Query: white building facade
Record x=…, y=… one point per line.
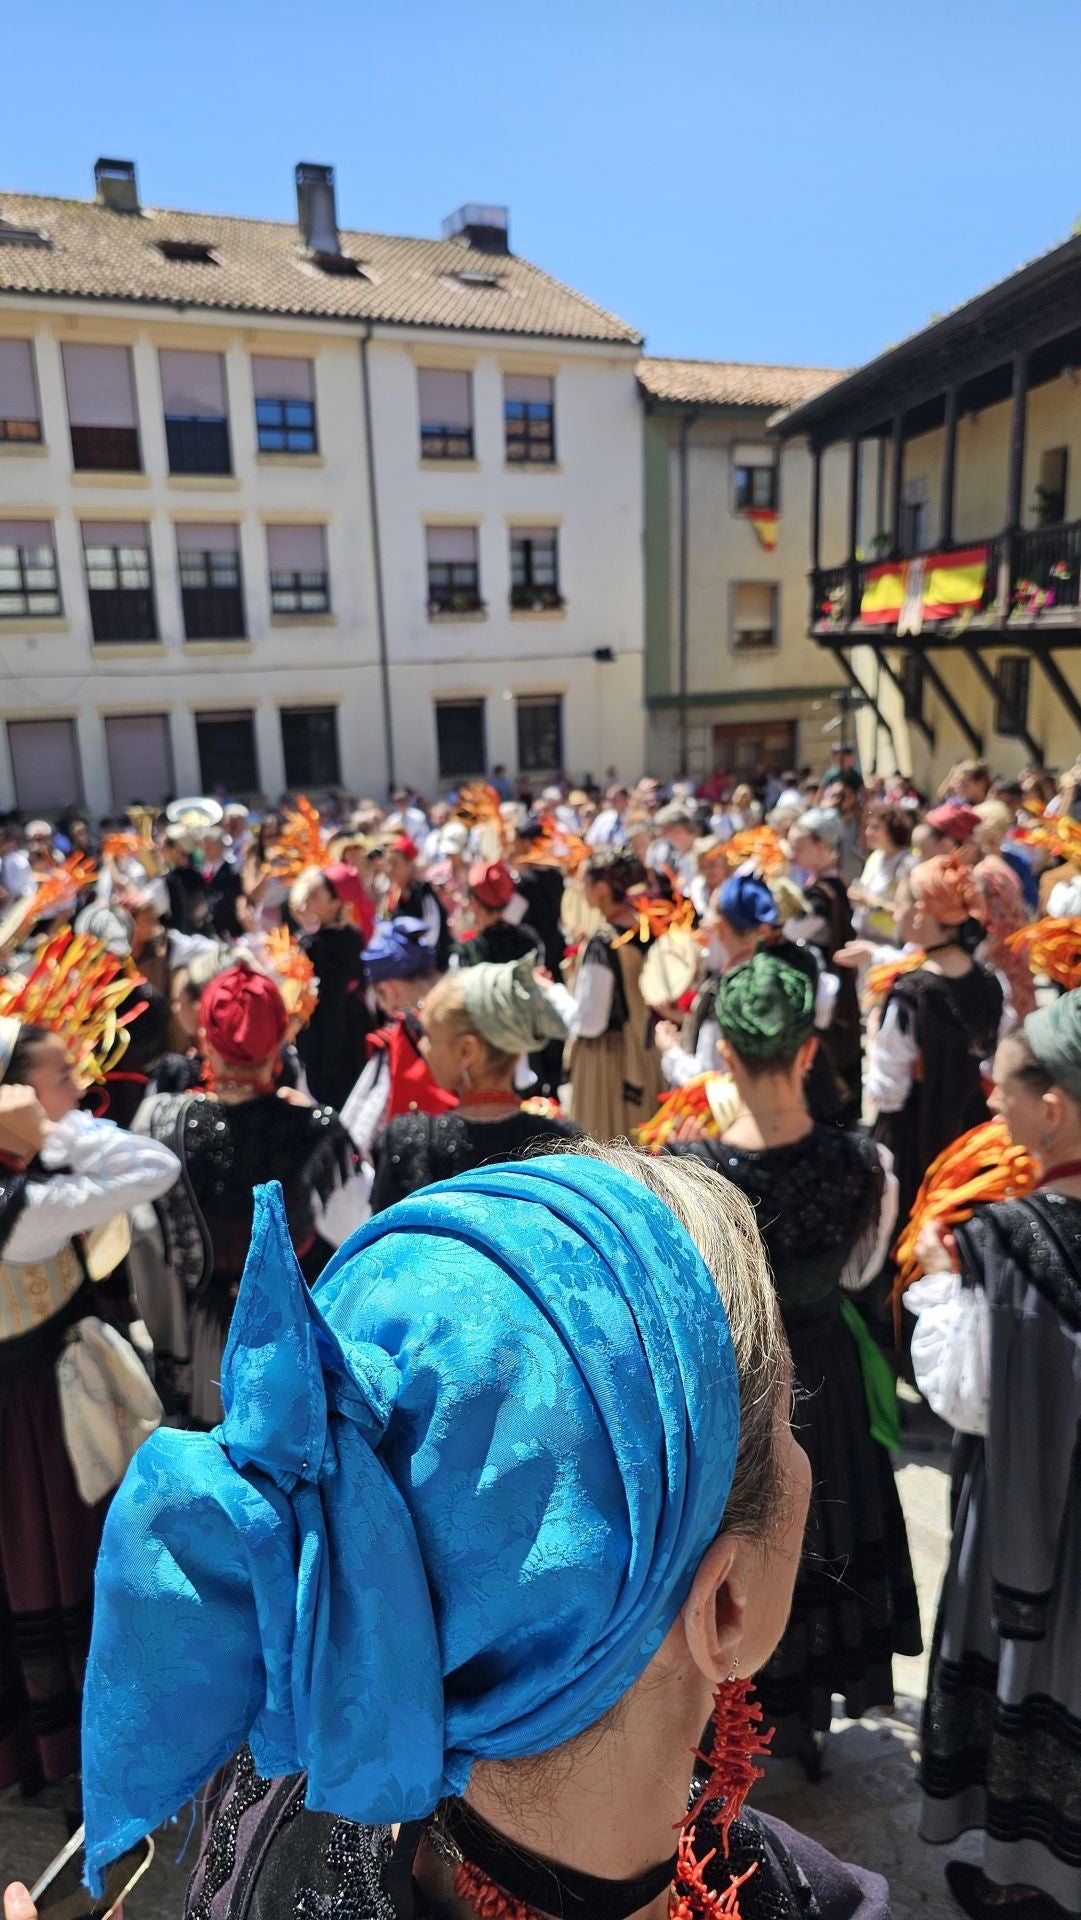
x=287, y=509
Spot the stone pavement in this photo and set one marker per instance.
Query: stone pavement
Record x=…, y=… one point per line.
x=865, y=1809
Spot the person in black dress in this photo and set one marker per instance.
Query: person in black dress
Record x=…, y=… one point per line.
x=411, y=898
x=816, y=841
x=477, y=1023
x=189, y=908
x=939, y=1022
x=333, y=1046
x=541, y=884
x=826, y=1203
x=490, y=892
x=243, y=1131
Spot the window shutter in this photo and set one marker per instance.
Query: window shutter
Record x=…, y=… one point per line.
x=445, y=398
x=45, y=764
x=99, y=384
x=116, y=533
x=193, y=384
x=753, y=454
x=281, y=379
x=297, y=549
x=531, y=388
x=140, y=757
x=26, y=533
x=753, y=606
x=212, y=538
x=18, y=391
x=452, y=543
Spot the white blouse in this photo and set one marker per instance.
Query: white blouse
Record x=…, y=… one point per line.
x=106, y=1171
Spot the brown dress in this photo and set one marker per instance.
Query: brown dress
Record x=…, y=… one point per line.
x=616, y=1078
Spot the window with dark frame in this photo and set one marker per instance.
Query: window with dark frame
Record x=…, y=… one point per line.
x=101, y=409
x=1011, y=702
x=529, y=420
x=754, y=616
x=911, y=677
x=196, y=417
x=227, y=758
x=299, y=580
x=534, y=569
x=120, y=589
x=540, y=732
x=1051, y=487
x=453, y=570
x=446, y=413
x=286, y=426
x=461, y=738
x=210, y=592
x=29, y=581
x=20, y=413
x=310, y=747
x=755, y=487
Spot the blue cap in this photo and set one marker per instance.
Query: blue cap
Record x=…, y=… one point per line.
x=397, y=950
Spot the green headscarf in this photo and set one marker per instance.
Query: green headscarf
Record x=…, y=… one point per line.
x=1054, y=1034
x=765, y=1008
x=509, y=1008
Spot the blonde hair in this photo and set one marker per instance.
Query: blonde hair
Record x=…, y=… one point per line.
x=721, y=1223
x=303, y=887
x=445, y=1003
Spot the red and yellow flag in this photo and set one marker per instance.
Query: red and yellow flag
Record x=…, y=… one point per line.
x=950, y=583
x=765, y=521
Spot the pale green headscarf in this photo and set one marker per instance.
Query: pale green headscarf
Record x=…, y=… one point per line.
x=509, y=1008
x=1054, y=1034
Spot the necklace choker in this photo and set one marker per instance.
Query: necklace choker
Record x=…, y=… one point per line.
x=461, y=1837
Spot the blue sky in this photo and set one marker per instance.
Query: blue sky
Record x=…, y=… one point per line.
x=791, y=180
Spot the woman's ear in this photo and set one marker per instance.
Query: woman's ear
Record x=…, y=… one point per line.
x=1056, y=1107
x=806, y=1054
x=726, y=1056
x=714, y=1613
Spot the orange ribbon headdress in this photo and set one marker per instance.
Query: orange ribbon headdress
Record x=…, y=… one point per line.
x=1052, y=947
x=983, y=1165
x=301, y=844
x=75, y=988
x=945, y=889
x=760, y=844
x=294, y=973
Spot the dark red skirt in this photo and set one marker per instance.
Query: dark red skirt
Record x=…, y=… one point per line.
x=48, y=1546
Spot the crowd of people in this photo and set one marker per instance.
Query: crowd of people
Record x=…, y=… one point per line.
x=422, y=1480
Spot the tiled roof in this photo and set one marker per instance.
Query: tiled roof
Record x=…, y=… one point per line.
x=730, y=383
x=96, y=254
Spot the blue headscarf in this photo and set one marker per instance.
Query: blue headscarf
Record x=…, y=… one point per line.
x=747, y=902
x=457, y=1500
x=398, y=950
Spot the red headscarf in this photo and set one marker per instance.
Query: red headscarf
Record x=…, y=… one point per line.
x=351, y=890
x=944, y=888
x=491, y=883
x=244, y=1016
x=955, y=821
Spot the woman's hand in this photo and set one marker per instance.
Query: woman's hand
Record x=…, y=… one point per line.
x=545, y=977
x=936, y=1249
x=17, y=1903
x=665, y=1036
x=294, y=1098
x=693, y=1128
x=24, y=1123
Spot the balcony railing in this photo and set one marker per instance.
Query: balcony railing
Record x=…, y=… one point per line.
x=122, y=613
x=213, y=613
x=105, y=449
x=1028, y=577
x=198, y=446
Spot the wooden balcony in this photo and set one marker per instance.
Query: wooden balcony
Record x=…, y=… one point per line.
x=1003, y=584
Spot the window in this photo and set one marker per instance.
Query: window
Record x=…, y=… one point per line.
x=534, y=569
x=196, y=253
x=1050, y=489
x=310, y=747
x=446, y=414
x=29, y=585
x=196, y=423
x=227, y=762
x=101, y=409
x=20, y=419
x=119, y=582
x=284, y=405
x=529, y=419
x=453, y=570
x=1011, y=703
x=140, y=758
x=45, y=765
x=911, y=678
x=540, y=732
x=915, y=516
x=754, y=616
x=210, y=582
x=460, y=733
x=754, y=472
x=298, y=570
x=743, y=746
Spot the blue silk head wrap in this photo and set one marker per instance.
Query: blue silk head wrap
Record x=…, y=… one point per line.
x=457, y=1500
x=747, y=902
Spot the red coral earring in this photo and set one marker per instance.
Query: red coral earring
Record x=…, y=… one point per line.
x=736, y=1740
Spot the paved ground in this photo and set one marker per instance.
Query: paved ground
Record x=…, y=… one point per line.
x=865, y=1809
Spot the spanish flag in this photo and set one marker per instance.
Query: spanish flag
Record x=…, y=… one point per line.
x=764, y=520
x=883, y=594
x=954, y=581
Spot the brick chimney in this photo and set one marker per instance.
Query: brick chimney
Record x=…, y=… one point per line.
x=486, y=228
